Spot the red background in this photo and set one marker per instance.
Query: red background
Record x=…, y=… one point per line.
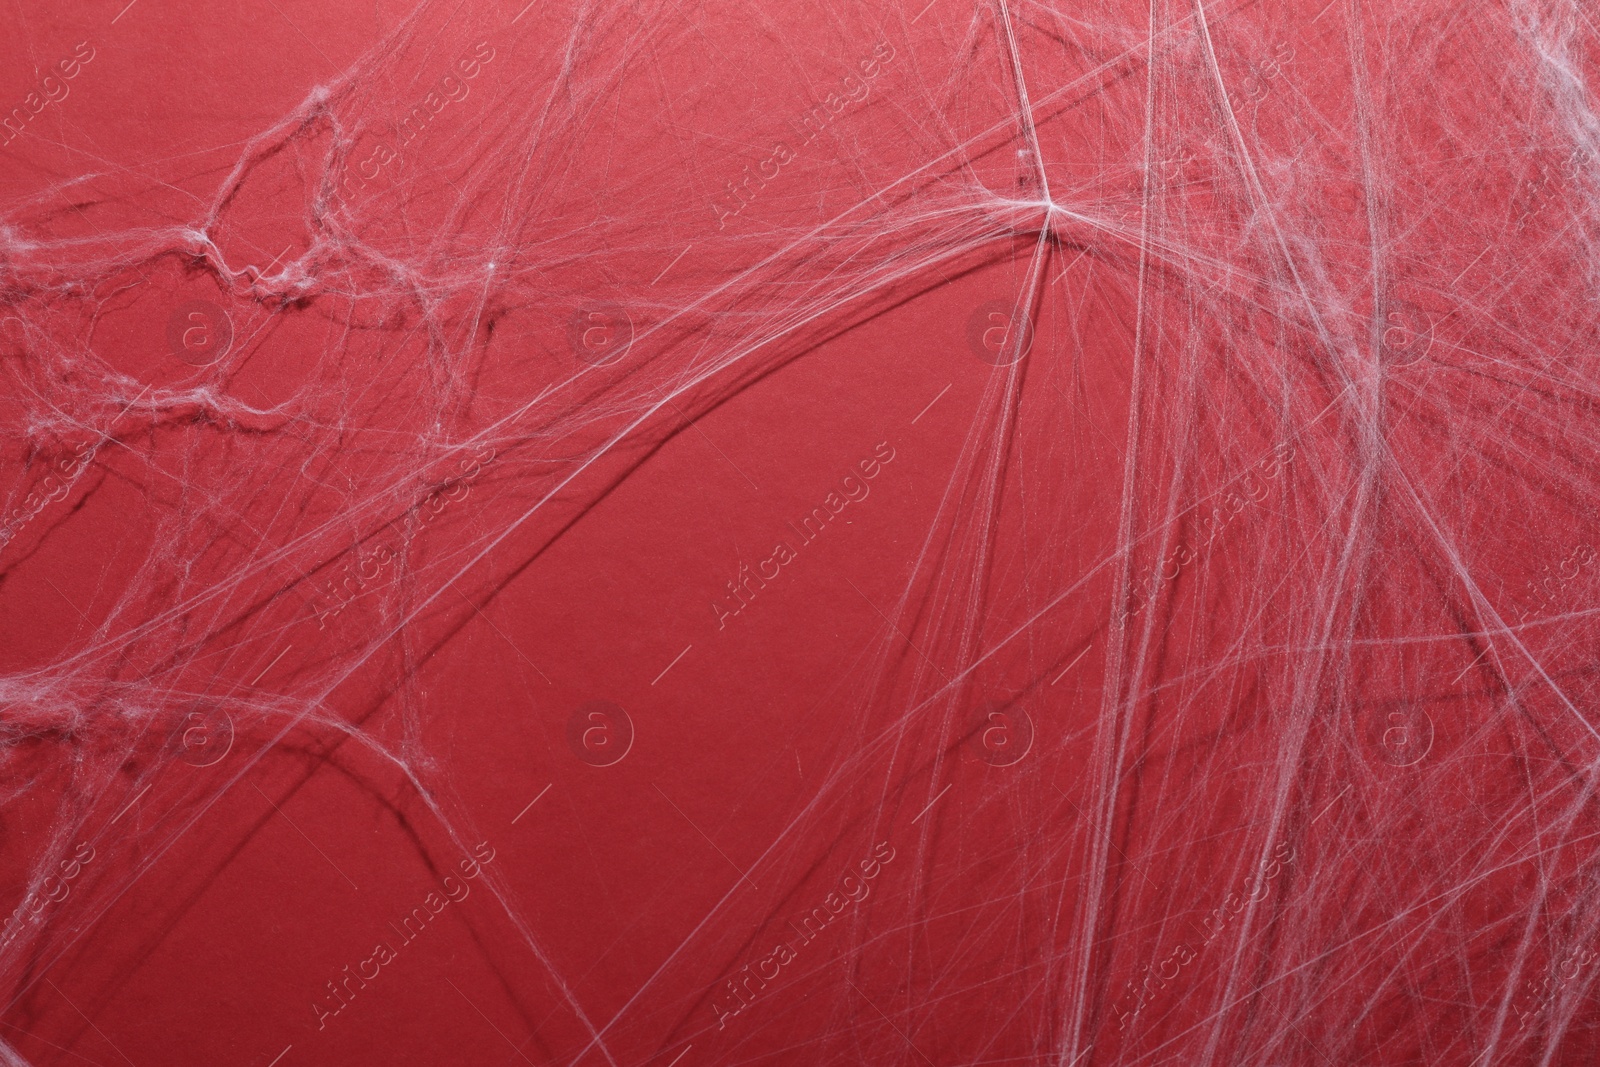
x=1217, y=672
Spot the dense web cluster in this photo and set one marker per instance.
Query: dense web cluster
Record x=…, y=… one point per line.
x=764, y=532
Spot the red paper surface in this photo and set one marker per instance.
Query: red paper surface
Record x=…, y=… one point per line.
x=798, y=533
